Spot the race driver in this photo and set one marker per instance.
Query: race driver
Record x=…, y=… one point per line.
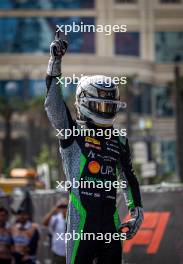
x=92, y=158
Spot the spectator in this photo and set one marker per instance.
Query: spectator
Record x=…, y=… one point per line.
x=25, y=236
x=5, y=238
x=56, y=222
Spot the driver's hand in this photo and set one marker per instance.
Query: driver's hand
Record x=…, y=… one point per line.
x=58, y=48
x=133, y=224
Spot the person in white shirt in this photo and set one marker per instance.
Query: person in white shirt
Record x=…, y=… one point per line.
x=55, y=220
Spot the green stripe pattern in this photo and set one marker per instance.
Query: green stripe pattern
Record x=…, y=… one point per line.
x=82, y=212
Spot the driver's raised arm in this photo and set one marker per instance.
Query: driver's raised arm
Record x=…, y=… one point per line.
x=55, y=106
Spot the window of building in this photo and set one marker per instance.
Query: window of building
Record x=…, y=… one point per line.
x=170, y=1
x=48, y=4
x=142, y=99
x=168, y=151
x=16, y=89
x=33, y=88
x=168, y=46
x=126, y=1
x=28, y=35
x=12, y=89
x=164, y=101
x=127, y=44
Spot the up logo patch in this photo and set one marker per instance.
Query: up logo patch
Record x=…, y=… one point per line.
x=94, y=167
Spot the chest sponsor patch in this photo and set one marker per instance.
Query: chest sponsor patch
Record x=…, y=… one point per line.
x=92, y=140
x=111, y=145
x=106, y=158
x=89, y=145
x=113, y=150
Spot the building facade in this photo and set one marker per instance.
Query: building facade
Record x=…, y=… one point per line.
x=148, y=51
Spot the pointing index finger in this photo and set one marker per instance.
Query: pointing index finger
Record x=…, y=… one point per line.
x=57, y=33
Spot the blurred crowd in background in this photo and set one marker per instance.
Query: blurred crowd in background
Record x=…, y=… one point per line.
x=22, y=240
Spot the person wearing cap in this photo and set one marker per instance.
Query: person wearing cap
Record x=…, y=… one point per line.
x=55, y=220
x=5, y=237
x=25, y=237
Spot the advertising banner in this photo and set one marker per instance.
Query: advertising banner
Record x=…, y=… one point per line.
x=160, y=238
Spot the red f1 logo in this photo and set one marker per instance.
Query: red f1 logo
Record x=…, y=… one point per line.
x=151, y=232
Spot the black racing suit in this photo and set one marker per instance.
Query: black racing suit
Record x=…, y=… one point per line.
x=95, y=159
